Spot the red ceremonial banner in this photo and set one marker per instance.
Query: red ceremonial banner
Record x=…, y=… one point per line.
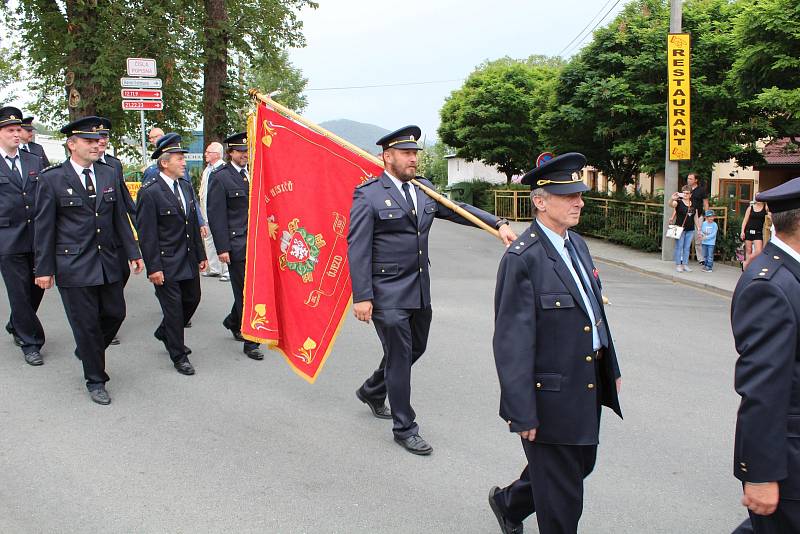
x=297, y=288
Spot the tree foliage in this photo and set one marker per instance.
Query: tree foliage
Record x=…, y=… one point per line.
x=75, y=53
x=493, y=117
x=433, y=165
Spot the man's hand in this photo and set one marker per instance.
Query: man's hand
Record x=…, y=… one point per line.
x=507, y=234
x=45, y=282
x=225, y=257
x=204, y=231
x=363, y=310
x=619, y=384
x=136, y=265
x=761, y=499
x=157, y=278
x=203, y=266
x=530, y=435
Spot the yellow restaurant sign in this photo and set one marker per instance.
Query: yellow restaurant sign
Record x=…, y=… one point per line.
x=679, y=109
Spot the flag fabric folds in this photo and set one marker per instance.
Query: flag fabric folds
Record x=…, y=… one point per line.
x=297, y=288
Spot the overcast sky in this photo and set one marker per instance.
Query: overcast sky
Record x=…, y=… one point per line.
x=363, y=42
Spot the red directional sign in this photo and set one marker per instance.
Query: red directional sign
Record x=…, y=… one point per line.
x=153, y=105
x=149, y=94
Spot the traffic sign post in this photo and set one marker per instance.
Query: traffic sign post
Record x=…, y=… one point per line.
x=141, y=91
x=142, y=94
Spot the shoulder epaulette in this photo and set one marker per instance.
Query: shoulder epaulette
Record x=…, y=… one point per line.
x=149, y=182
x=370, y=181
x=223, y=166
x=769, y=266
x=53, y=166
x=523, y=242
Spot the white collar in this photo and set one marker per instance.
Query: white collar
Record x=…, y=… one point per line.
x=79, y=170
x=6, y=154
x=396, y=181
x=237, y=168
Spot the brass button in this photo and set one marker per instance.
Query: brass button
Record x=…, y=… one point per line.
x=66, y=251
x=762, y=274
x=420, y=269
x=99, y=247
x=418, y=233
x=420, y=253
x=522, y=244
x=533, y=235
x=776, y=257
x=558, y=304
x=587, y=328
x=98, y=230
x=517, y=247
x=590, y=386
x=29, y=221
x=391, y=215
x=743, y=464
x=744, y=469
x=168, y=212
x=162, y=252
x=765, y=269
x=538, y=384
x=588, y=358
x=97, y=214
x=383, y=270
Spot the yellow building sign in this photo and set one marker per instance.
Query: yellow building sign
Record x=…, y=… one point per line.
x=679, y=109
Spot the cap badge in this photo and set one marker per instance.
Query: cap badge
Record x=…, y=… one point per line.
x=388, y=202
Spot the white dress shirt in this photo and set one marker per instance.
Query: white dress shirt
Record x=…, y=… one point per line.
x=169, y=181
x=399, y=184
x=79, y=172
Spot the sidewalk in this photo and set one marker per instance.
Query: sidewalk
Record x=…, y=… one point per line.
x=722, y=281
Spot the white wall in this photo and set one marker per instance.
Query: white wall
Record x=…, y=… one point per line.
x=461, y=170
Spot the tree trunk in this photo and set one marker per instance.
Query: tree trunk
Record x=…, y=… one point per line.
x=215, y=70
x=82, y=91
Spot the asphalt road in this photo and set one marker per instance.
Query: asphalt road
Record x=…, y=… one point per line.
x=246, y=446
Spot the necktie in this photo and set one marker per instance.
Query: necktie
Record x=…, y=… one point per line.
x=407, y=195
x=177, y=194
x=14, y=169
x=587, y=287
x=243, y=172
x=89, y=184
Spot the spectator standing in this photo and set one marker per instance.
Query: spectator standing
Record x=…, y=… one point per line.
x=708, y=233
x=753, y=230
x=684, y=212
x=700, y=205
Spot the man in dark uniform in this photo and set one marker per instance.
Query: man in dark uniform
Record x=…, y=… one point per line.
x=228, y=205
x=104, y=129
x=173, y=251
x=27, y=144
x=554, y=355
x=81, y=228
x=765, y=317
x=388, y=254
x=19, y=183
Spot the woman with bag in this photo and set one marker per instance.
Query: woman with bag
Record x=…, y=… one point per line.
x=753, y=230
x=683, y=211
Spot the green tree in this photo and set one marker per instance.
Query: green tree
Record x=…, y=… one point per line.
x=493, y=117
x=766, y=72
x=611, y=99
x=433, y=165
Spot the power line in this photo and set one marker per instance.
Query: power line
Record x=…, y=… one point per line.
x=399, y=84
x=584, y=28
x=597, y=24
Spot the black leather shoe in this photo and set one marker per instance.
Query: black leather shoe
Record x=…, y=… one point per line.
x=506, y=526
x=415, y=445
x=34, y=358
x=237, y=335
x=100, y=396
x=378, y=407
x=254, y=354
x=184, y=367
x=114, y=340
x=18, y=340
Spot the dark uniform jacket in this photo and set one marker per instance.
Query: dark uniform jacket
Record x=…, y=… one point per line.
x=765, y=315
x=169, y=237
x=38, y=150
x=116, y=164
x=78, y=238
x=388, y=246
x=228, y=203
x=543, y=344
x=18, y=204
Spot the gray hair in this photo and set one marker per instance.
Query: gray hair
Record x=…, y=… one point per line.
x=163, y=158
x=786, y=222
x=538, y=192
x=216, y=147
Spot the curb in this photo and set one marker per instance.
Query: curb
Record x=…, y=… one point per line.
x=674, y=279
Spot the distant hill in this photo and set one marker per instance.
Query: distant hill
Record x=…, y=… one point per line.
x=360, y=134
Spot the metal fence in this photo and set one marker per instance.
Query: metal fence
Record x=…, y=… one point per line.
x=601, y=217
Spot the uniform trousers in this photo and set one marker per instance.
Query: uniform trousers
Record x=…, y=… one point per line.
x=404, y=337
x=234, y=319
x=551, y=485
x=179, y=301
x=214, y=265
x=95, y=314
x=24, y=297
x=785, y=520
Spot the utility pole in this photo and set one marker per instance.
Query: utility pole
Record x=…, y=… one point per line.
x=670, y=167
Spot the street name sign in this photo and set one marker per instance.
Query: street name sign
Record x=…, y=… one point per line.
x=140, y=66
x=142, y=105
x=140, y=83
x=142, y=94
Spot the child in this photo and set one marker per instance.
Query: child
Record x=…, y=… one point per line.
x=708, y=231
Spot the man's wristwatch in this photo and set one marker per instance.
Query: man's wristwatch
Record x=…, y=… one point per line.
x=500, y=223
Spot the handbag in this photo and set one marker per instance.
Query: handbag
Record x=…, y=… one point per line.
x=674, y=231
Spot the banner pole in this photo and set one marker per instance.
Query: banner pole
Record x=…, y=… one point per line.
x=363, y=153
